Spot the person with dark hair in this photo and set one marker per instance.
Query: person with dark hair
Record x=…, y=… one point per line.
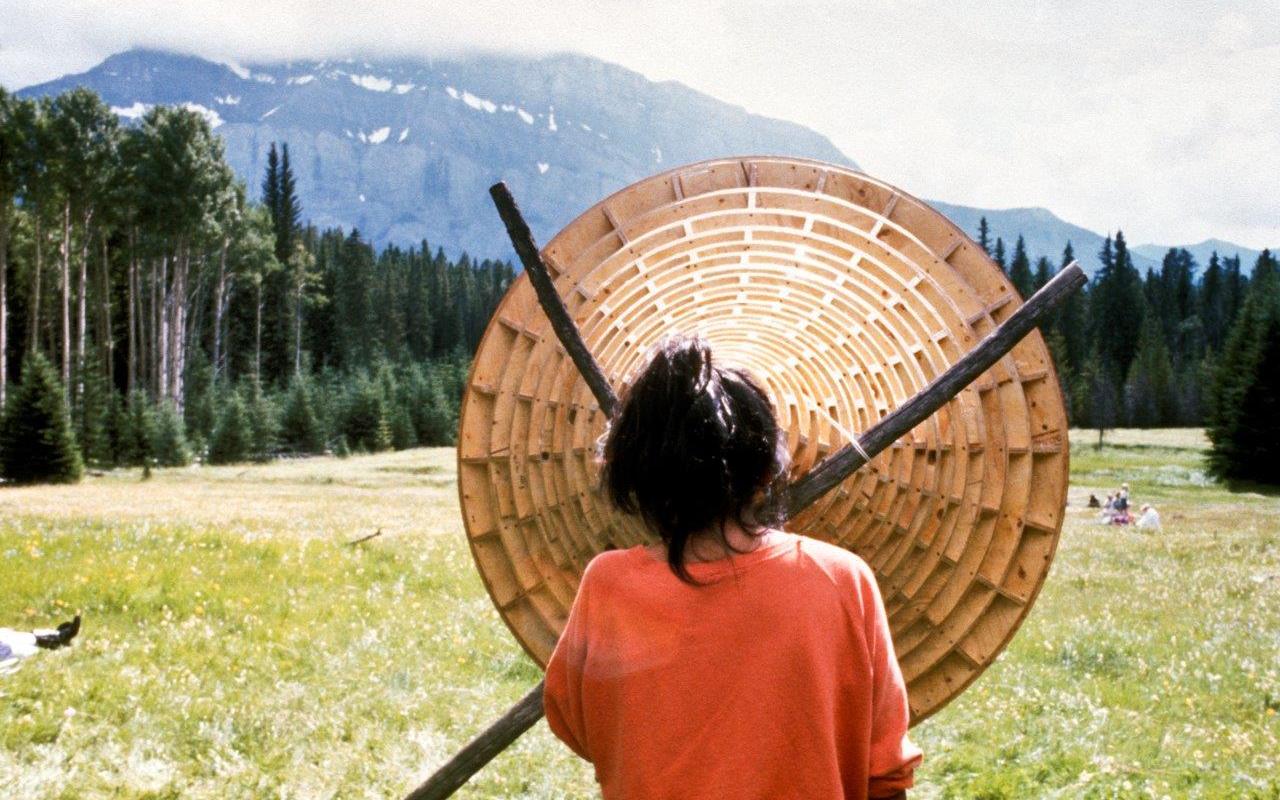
x=733, y=659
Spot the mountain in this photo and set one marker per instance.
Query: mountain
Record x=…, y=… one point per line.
x=1203, y=251
x=406, y=150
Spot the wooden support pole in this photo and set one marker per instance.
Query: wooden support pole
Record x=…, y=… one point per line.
x=818, y=481
x=552, y=305
x=844, y=462
x=481, y=750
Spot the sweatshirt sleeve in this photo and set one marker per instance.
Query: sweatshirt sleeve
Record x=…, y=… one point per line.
x=894, y=757
x=562, y=698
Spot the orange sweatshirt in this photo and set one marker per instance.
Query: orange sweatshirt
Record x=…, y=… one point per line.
x=775, y=679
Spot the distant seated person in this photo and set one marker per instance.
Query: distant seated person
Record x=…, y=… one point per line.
x=17, y=645
x=1122, y=498
x=1150, y=518
x=1093, y=501
x=1108, y=509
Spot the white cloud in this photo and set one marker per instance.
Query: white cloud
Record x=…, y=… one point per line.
x=1162, y=118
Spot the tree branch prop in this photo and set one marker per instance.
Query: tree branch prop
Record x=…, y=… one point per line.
x=481, y=750
x=550, y=300
x=831, y=471
x=817, y=482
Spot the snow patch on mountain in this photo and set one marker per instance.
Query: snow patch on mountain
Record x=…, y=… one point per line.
x=551, y=120
x=404, y=134
x=543, y=167
x=269, y=113
x=240, y=72
x=524, y=115
x=380, y=135
x=479, y=103
x=301, y=80
x=372, y=83
x=264, y=78
x=227, y=100
x=452, y=92
x=404, y=88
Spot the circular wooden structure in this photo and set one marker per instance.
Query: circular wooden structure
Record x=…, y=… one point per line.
x=844, y=296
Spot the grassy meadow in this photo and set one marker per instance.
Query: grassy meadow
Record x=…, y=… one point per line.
x=236, y=646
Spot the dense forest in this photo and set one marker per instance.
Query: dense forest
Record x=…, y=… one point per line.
x=174, y=317
x=178, y=317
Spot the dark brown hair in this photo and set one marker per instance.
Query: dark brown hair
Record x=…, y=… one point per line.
x=693, y=446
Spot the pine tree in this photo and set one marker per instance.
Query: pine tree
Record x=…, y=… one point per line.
x=231, y=441
x=366, y=425
x=1044, y=271
x=1149, y=389
x=264, y=427
x=37, y=444
x=300, y=429
x=1257, y=426
x=998, y=255
x=288, y=217
x=984, y=236
x=1020, y=270
x=136, y=432
x=1241, y=385
x=169, y=442
x=271, y=185
x=1116, y=301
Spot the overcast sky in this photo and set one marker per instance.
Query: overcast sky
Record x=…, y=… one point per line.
x=1162, y=118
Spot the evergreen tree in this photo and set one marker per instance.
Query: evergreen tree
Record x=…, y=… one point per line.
x=169, y=442
x=37, y=444
x=1149, y=389
x=1211, y=304
x=998, y=255
x=1116, y=304
x=271, y=185
x=264, y=427
x=366, y=425
x=1044, y=271
x=1254, y=453
x=1020, y=270
x=136, y=432
x=1100, y=387
x=231, y=442
x=300, y=429
x=288, y=216
x=984, y=236
x=1241, y=385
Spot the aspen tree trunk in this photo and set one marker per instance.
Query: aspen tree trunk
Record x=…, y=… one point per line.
x=33, y=316
x=160, y=347
x=219, y=308
x=106, y=342
x=297, y=325
x=81, y=305
x=257, y=335
x=130, y=314
x=4, y=304
x=181, y=270
x=66, y=298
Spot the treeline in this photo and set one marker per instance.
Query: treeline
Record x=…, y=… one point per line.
x=1134, y=349
x=169, y=309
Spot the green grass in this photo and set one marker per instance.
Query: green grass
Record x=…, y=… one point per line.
x=235, y=646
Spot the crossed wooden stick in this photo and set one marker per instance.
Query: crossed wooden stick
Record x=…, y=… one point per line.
x=823, y=477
